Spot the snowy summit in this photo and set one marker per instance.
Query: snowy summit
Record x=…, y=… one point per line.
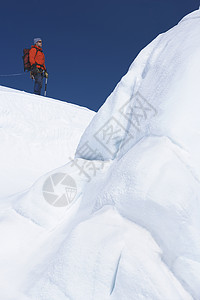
x=112, y=212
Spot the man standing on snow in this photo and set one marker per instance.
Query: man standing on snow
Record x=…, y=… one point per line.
x=37, y=61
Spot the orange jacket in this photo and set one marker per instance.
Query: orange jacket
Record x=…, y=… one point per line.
x=36, y=57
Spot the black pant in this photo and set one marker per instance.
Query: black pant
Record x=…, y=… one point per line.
x=38, y=83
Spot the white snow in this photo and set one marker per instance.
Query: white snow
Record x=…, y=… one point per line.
x=124, y=223
x=36, y=136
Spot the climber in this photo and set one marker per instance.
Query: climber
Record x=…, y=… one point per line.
x=37, y=62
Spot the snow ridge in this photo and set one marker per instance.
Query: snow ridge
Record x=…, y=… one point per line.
x=131, y=229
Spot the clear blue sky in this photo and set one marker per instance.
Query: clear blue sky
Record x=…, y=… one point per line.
x=89, y=45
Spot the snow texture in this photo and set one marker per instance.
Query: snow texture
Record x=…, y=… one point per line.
x=120, y=221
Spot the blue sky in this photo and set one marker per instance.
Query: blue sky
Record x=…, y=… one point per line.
x=89, y=45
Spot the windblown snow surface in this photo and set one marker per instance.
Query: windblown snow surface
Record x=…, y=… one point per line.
x=121, y=220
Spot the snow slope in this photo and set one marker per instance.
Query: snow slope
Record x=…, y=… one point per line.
x=121, y=220
x=37, y=134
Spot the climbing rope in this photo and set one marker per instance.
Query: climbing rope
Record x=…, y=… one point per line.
x=17, y=74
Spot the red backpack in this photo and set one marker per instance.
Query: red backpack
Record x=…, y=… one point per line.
x=25, y=57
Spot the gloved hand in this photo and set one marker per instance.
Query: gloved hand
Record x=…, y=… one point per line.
x=31, y=75
x=46, y=74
